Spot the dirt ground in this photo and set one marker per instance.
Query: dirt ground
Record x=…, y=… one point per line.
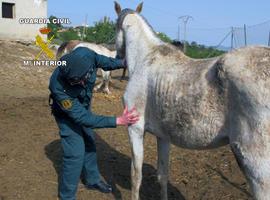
x=30, y=151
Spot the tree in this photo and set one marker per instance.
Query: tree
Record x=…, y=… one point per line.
x=193, y=43
x=54, y=27
x=102, y=32
x=68, y=35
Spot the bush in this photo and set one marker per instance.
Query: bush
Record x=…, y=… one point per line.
x=68, y=35
x=102, y=32
x=53, y=27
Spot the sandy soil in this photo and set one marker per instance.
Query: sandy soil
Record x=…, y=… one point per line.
x=30, y=152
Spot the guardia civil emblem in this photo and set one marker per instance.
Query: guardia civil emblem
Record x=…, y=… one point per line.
x=67, y=104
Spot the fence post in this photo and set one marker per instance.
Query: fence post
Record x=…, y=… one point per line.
x=269, y=39
x=232, y=39
x=245, y=34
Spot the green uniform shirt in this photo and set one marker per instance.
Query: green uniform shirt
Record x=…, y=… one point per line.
x=73, y=102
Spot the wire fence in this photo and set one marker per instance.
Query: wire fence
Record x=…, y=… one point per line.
x=231, y=38
x=224, y=38
x=251, y=35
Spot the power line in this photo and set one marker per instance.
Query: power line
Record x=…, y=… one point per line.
x=201, y=28
x=223, y=39
x=259, y=24
x=209, y=29
x=235, y=27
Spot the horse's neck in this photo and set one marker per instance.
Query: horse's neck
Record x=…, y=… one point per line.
x=140, y=41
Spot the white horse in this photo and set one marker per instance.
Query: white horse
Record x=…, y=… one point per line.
x=66, y=47
x=195, y=103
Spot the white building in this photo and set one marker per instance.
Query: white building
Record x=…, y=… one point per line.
x=13, y=11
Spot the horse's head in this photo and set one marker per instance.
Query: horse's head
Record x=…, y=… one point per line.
x=120, y=35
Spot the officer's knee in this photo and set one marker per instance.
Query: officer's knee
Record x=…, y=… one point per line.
x=74, y=155
x=73, y=151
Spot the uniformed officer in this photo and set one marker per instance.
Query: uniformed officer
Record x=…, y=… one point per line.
x=71, y=91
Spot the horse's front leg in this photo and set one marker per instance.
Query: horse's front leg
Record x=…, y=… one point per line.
x=106, y=79
x=163, y=146
x=136, y=133
x=98, y=86
x=135, y=96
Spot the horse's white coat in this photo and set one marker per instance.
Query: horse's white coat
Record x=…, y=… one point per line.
x=196, y=104
x=37, y=2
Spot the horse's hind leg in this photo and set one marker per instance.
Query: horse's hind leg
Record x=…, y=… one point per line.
x=163, y=163
x=106, y=80
x=97, y=87
x=254, y=160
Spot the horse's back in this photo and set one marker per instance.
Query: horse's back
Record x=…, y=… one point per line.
x=99, y=49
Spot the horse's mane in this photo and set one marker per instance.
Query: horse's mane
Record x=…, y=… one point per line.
x=127, y=11
x=163, y=48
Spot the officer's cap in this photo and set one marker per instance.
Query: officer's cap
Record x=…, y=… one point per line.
x=78, y=63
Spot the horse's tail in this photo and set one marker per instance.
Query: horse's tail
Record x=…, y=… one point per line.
x=61, y=49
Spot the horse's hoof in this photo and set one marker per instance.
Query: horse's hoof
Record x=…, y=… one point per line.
x=95, y=89
x=107, y=91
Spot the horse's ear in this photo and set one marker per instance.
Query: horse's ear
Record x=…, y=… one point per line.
x=139, y=8
x=117, y=8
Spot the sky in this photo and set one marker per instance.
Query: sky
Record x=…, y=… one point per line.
x=211, y=19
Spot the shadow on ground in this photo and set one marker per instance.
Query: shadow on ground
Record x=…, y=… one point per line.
x=115, y=168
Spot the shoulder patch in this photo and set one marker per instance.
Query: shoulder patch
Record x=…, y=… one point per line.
x=67, y=104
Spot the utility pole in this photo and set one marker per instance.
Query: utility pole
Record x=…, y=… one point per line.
x=245, y=34
x=269, y=39
x=232, y=39
x=84, y=28
x=178, y=33
x=185, y=19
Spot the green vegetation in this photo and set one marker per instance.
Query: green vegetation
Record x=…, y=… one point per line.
x=164, y=37
x=104, y=32
x=68, y=35
x=53, y=27
x=195, y=50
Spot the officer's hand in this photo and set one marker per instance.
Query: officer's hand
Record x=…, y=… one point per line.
x=128, y=117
